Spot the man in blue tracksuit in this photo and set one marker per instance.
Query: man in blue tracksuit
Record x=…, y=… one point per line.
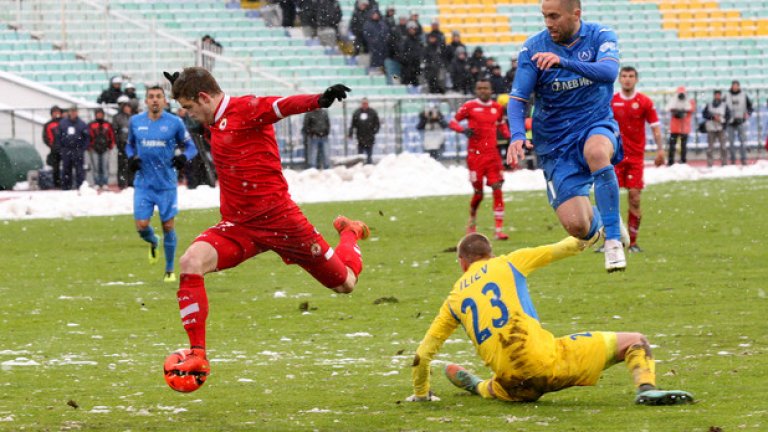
x=153, y=138
x=571, y=67
x=74, y=139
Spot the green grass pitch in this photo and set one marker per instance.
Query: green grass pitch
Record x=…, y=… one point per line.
x=86, y=322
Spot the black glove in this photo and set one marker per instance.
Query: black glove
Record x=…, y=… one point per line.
x=178, y=161
x=134, y=164
x=334, y=92
x=468, y=132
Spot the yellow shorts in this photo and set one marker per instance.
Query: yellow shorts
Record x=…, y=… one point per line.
x=579, y=360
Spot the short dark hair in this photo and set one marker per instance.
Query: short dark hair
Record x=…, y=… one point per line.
x=630, y=69
x=571, y=5
x=192, y=81
x=717, y=92
x=473, y=247
x=156, y=87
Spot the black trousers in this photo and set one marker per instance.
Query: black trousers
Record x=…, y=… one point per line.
x=673, y=139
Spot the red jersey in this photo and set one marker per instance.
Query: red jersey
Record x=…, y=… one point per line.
x=632, y=114
x=246, y=155
x=484, y=118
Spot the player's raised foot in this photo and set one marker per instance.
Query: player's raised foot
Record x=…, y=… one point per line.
x=153, y=257
x=663, y=397
x=500, y=235
x=169, y=277
x=634, y=248
x=615, y=260
x=361, y=230
x=462, y=379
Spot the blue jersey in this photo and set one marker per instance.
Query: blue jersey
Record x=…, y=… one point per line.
x=154, y=142
x=567, y=103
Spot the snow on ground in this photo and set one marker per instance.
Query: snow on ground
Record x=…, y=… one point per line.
x=396, y=176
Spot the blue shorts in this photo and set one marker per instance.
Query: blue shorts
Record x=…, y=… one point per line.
x=145, y=200
x=565, y=170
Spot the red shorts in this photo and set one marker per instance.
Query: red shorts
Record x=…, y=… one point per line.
x=290, y=235
x=630, y=174
x=490, y=168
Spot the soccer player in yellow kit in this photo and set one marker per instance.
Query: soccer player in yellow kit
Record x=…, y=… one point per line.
x=492, y=303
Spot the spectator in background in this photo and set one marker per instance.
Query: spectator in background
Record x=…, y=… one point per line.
x=357, y=24
x=308, y=15
x=288, y=8
x=477, y=59
x=392, y=67
x=456, y=43
x=411, y=54
x=317, y=127
x=74, y=139
x=435, y=31
x=120, y=124
x=114, y=91
x=130, y=92
x=459, y=71
x=51, y=139
x=432, y=124
x=376, y=37
x=717, y=115
x=102, y=141
x=402, y=25
x=365, y=123
x=434, y=72
x=389, y=18
x=328, y=19
x=498, y=86
x=208, y=46
x=419, y=30
x=740, y=107
x=487, y=69
x=509, y=77
x=681, y=109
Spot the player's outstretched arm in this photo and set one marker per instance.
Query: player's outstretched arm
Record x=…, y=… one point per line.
x=336, y=92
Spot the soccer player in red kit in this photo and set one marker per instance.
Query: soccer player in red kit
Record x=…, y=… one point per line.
x=257, y=212
x=632, y=110
x=484, y=117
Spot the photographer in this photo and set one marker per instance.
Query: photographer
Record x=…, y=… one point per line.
x=433, y=124
x=741, y=108
x=680, y=109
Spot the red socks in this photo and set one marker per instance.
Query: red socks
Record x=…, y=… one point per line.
x=498, y=208
x=193, y=304
x=349, y=252
x=475, y=203
x=633, y=224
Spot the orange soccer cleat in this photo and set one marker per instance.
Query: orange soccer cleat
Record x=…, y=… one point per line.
x=361, y=230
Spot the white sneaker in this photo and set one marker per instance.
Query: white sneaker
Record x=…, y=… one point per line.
x=614, y=256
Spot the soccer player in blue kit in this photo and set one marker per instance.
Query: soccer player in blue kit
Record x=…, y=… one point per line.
x=153, y=137
x=571, y=66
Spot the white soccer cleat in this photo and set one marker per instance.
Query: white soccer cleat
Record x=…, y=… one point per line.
x=615, y=260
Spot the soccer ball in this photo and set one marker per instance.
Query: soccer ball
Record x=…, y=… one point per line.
x=185, y=372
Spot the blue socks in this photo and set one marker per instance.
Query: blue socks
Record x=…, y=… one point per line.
x=607, y=199
x=148, y=234
x=169, y=245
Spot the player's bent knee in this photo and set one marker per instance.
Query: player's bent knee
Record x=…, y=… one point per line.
x=349, y=284
x=497, y=185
